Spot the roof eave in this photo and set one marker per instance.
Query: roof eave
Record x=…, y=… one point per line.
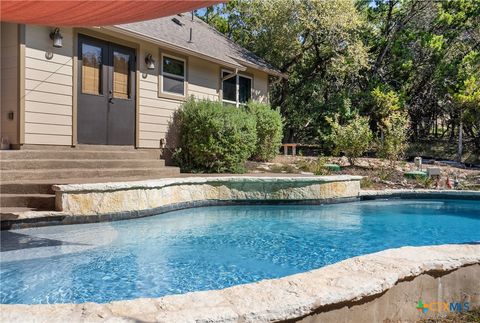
x=267, y=70
x=173, y=47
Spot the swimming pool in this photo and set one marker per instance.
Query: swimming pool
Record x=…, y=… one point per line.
x=216, y=247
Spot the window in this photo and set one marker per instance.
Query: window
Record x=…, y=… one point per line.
x=236, y=89
x=91, y=69
x=121, y=73
x=173, y=76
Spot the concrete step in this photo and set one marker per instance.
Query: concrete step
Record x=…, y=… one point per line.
x=63, y=173
x=45, y=186
x=79, y=154
x=13, y=210
x=37, y=201
x=77, y=147
x=20, y=164
x=26, y=188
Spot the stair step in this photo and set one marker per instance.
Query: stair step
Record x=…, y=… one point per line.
x=13, y=209
x=80, y=147
x=45, y=186
x=37, y=201
x=79, y=154
x=26, y=188
x=20, y=164
x=61, y=173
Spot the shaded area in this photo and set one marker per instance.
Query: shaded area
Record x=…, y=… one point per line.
x=16, y=241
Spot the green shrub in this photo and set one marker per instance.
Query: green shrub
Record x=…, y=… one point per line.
x=366, y=182
x=214, y=137
x=269, y=131
x=353, y=138
x=395, y=137
x=320, y=166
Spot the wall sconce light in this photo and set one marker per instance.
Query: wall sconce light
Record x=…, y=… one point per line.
x=57, y=38
x=150, y=62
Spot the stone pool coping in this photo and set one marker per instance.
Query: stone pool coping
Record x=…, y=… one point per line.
x=288, y=298
x=148, y=184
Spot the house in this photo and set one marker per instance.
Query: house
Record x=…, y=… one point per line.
x=118, y=85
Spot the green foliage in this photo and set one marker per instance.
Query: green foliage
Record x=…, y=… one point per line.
x=395, y=131
x=353, y=138
x=466, y=92
x=214, y=137
x=366, y=182
x=318, y=43
x=288, y=169
x=317, y=167
x=269, y=130
x=320, y=166
x=384, y=104
x=381, y=56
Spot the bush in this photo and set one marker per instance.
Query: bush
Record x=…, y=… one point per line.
x=214, y=137
x=353, y=138
x=395, y=136
x=269, y=131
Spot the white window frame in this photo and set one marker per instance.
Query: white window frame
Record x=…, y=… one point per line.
x=237, y=86
x=162, y=73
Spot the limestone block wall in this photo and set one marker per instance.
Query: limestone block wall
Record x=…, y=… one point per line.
x=95, y=199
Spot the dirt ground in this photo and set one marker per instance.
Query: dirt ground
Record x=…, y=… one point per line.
x=378, y=174
x=472, y=316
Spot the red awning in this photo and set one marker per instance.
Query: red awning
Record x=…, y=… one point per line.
x=93, y=13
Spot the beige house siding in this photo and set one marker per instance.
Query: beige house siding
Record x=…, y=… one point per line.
x=9, y=82
x=260, y=86
x=48, y=87
x=155, y=115
x=203, y=78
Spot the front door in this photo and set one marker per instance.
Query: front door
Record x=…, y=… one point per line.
x=106, y=93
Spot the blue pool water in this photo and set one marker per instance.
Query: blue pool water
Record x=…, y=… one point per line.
x=216, y=247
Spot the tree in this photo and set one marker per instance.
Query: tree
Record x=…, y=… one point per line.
x=394, y=141
x=353, y=138
x=467, y=96
x=381, y=56
x=317, y=43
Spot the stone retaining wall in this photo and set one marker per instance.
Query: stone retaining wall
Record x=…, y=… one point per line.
x=107, y=198
x=380, y=287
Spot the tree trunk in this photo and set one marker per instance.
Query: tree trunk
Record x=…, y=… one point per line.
x=460, y=139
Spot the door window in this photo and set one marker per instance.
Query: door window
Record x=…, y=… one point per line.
x=91, y=69
x=121, y=75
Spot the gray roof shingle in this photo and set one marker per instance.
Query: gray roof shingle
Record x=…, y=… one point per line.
x=205, y=40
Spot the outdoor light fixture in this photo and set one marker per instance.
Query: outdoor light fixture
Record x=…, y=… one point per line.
x=150, y=62
x=57, y=38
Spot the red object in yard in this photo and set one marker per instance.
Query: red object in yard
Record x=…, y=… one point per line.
x=93, y=13
x=448, y=183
